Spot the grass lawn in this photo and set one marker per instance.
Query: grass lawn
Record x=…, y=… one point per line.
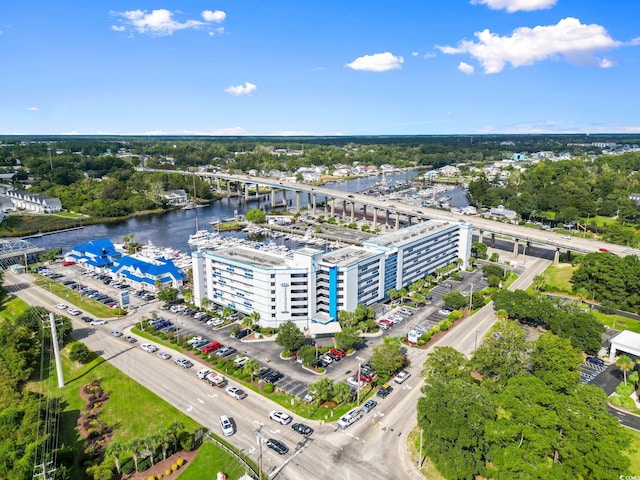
x=210, y=460
x=557, y=278
x=13, y=308
x=634, y=454
x=618, y=322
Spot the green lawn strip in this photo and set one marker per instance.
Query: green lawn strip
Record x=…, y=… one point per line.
x=618, y=322
x=558, y=278
x=210, y=460
x=634, y=451
x=13, y=308
x=70, y=296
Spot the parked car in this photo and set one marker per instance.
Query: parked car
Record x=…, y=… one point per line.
x=302, y=429
x=595, y=361
x=354, y=382
x=338, y=351
x=280, y=417
x=225, y=352
x=277, y=445
x=243, y=333
x=401, y=377
x=202, y=373
x=227, y=426
x=210, y=347
x=164, y=355
x=273, y=377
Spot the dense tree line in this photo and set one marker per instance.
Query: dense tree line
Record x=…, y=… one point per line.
x=21, y=408
x=516, y=409
x=582, y=329
x=614, y=281
x=570, y=190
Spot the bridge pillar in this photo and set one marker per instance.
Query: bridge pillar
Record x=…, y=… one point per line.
x=388, y=216
x=333, y=206
x=284, y=198
x=493, y=240
x=218, y=185
x=375, y=218
x=516, y=248
x=273, y=199
x=313, y=203
x=344, y=209
x=297, y=201
x=246, y=192
x=364, y=212
x=353, y=212
x=527, y=246
x=480, y=236
x=568, y=255
x=556, y=257
x=397, y=220
x=228, y=187
x=326, y=205
x=409, y=219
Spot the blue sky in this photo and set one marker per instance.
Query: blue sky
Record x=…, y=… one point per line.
x=305, y=67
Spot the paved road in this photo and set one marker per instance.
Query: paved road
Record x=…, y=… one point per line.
x=372, y=448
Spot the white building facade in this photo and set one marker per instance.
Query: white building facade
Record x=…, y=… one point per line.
x=310, y=287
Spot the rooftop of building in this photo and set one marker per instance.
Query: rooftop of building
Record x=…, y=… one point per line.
x=408, y=234
x=347, y=255
x=252, y=256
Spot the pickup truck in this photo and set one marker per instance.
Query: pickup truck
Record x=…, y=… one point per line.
x=216, y=380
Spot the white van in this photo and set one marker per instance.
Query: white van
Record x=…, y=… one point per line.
x=350, y=417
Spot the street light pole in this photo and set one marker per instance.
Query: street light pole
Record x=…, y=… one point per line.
x=358, y=380
x=471, y=299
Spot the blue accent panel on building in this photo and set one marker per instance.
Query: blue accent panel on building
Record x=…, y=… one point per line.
x=333, y=292
x=390, y=272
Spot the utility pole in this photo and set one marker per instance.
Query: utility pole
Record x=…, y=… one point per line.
x=358, y=380
x=471, y=299
x=56, y=349
x=420, y=451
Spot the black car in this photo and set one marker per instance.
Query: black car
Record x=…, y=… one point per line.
x=87, y=319
x=273, y=377
x=302, y=429
x=384, y=391
x=321, y=363
x=130, y=339
x=333, y=356
x=243, y=333
x=277, y=445
x=263, y=372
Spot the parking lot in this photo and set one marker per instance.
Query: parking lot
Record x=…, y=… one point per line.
x=186, y=323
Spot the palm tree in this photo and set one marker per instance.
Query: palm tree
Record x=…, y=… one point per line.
x=342, y=392
x=322, y=389
x=625, y=364
x=135, y=446
x=538, y=282
x=165, y=438
x=174, y=430
x=250, y=320
x=227, y=312
x=252, y=366
x=151, y=442
x=116, y=448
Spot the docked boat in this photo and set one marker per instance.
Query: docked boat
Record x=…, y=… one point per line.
x=201, y=237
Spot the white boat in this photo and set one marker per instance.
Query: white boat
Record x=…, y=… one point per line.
x=201, y=237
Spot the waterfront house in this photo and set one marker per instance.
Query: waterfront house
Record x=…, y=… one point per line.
x=32, y=202
x=176, y=197
x=96, y=255
x=144, y=273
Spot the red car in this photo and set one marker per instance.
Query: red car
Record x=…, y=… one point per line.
x=363, y=377
x=68, y=264
x=210, y=347
x=388, y=323
x=338, y=351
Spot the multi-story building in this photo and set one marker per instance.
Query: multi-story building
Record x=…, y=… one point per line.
x=310, y=287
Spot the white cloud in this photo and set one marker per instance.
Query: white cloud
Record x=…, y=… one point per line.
x=466, y=68
x=216, y=16
x=516, y=5
x=161, y=22
x=378, y=62
x=429, y=55
x=415, y=54
x=568, y=39
x=33, y=109
x=607, y=63
x=237, y=90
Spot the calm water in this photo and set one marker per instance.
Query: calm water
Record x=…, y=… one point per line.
x=172, y=229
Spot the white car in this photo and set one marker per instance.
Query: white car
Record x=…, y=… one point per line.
x=236, y=393
x=147, y=347
x=195, y=339
x=240, y=361
x=61, y=306
x=74, y=311
x=98, y=322
x=202, y=374
x=164, y=355
x=354, y=382
x=280, y=417
x=401, y=377
x=227, y=426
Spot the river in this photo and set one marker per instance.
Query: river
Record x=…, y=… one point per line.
x=172, y=229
